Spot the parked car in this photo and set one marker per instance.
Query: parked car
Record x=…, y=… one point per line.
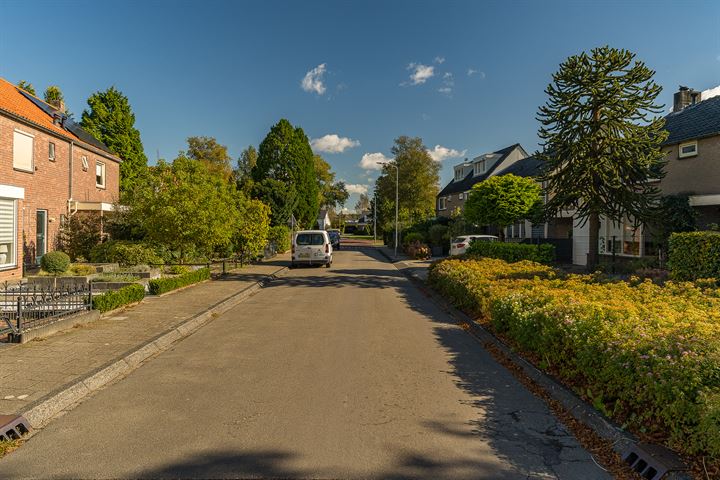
x=311, y=247
x=459, y=245
x=334, y=239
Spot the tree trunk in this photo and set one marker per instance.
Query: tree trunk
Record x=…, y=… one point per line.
x=593, y=258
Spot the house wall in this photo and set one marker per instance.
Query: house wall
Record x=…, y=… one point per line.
x=451, y=202
x=699, y=175
x=48, y=187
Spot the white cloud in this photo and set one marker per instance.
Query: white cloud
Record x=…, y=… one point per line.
x=351, y=188
x=445, y=90
x=421, y=73
x=313, y=80
x=448, y=84
x=440, y=153
x=370, y=161
x=472, y=71
x=439, y=60
x=332, y=143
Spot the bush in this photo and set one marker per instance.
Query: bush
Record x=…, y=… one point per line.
x=178, y=269
x=280, y=237
x=694, y=255
x=644, y=354
x=79, y=234
x=82, y=270
x=125, y=253
x=438, y=235
x=418, y=251
x=513, y=252
x=162, y=285
x=412, y=237
x=117, y=298
x=55, y=262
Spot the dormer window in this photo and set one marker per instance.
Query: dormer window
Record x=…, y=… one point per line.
x=689, y=149
x=480, y=167
x=459, y=174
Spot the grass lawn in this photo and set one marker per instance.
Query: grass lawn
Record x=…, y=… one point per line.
x=349, y=236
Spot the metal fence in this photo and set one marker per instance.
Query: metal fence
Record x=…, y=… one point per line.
x=24, y=307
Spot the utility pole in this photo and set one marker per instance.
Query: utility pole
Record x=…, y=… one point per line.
x=375, y=220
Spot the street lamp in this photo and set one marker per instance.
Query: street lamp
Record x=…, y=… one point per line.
x=397, y=189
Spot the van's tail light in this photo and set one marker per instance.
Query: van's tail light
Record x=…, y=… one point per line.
x=460, y=245
x=327, y=248
x=292, y=250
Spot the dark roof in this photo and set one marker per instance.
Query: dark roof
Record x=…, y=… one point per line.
x=527, y=167
x=466, y=183
x=696, y=121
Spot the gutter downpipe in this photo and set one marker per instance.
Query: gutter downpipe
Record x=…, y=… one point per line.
x=70, y=181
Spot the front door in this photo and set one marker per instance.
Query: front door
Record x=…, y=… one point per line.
x=41, y=234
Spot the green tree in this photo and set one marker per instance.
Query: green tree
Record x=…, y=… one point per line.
x=279, y=196
x=502, y=200
x=111, y=120
x=27, y=86
x=54, y=96
x=673, y=214
x=214, y=155
x=418, y=183
x=243, y=172
x=601, y=139
x=285, y=156
x=253, y=227
x=185, y=206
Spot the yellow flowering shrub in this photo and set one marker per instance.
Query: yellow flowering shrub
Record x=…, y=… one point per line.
x=644, y=354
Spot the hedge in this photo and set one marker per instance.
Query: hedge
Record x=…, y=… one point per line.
x=117, y=298
x=646, y=355
x=513, y=252
x=166, y=284
x=694, y=255
x=125, y=253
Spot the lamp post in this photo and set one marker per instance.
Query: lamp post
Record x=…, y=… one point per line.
x=397, y=189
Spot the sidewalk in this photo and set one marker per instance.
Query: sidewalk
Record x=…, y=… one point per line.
x=416, y=268
x=33, y=372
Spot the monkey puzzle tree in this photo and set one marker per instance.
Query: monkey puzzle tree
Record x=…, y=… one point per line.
x=601, y=139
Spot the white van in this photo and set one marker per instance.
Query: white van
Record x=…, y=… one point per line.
x=311, y=247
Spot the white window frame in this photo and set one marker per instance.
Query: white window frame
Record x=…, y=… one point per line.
x=12, y=251
x=51, y=151
x=103, y=176
x=690, y=154
x=459, y=174
x=84, y=161
x=442, y=203
x=461, y=196
x=32, y=151
x=477, y=165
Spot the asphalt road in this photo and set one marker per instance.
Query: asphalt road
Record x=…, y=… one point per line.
x=349, y=372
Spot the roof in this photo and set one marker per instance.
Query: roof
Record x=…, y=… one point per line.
x=696, y=121
x=467, y=183
x=527, y=167
x=36, y=112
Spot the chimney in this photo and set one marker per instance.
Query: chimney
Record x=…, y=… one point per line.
x=685, y=97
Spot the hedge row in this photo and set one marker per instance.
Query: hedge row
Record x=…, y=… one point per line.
x=644, y=354
x=694, y=255
x=117, y=298
x=166, y=284
x=513, y=252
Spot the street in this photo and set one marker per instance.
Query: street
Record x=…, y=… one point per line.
x=348, y=372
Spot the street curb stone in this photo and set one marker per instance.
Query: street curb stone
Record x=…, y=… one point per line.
x=45, y=409
x=578, y=408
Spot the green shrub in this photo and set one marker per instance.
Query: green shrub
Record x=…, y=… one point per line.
x=162, y=285
x=694, y=255
x=513, y=252
x=644, y=354
x=82, y=270
x=125, y=253
x=438, y=235
x=413, y=237
x=55, y=262
x=178, y=269
x=117, y=298
x=79, y=234
x=279, y=236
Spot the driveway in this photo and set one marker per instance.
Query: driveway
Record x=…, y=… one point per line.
x=348, y=372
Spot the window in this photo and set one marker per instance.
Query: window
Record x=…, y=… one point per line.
x=100, y=174
x=688, y=150
x=23, y=151
x=8, y=218
x=304, y=239
x=441, y=203
x=84, y=163
x=480, y=167
x=459, y=174
x=621, y=238
x=51, y=151
x=460, y=196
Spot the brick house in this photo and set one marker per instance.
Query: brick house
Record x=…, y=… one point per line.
x=50, y=169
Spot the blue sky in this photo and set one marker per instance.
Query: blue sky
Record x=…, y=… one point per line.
x=465, y=76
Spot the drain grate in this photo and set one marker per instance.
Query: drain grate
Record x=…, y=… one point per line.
x=653, y=461
x=13, y=427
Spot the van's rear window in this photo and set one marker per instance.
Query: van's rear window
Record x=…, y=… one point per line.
x=310, y=239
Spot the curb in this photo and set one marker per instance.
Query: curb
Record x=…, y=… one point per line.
x=41, y=412
x=621, y=440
